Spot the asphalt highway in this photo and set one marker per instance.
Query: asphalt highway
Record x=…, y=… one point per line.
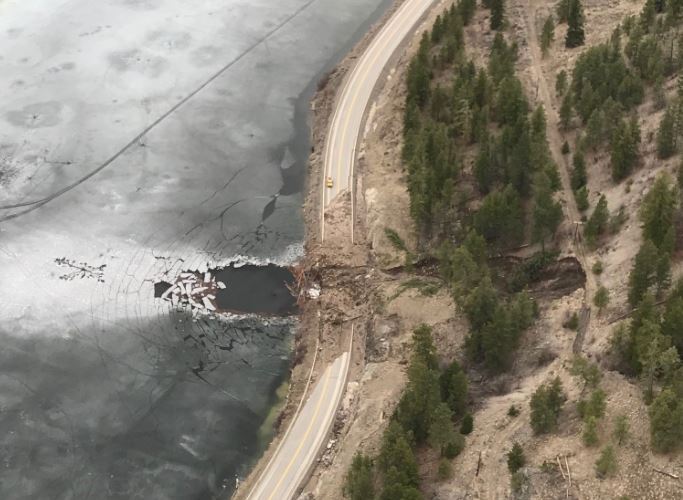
x=353, y=101
x=295, y=456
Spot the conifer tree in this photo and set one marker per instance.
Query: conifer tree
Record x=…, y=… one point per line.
x=548, y=34
x=601, y=298
x=606, y=465
x=466, y=9
x=547, y=212
x=672, y=323
x=621, y=429
x=597, y=224
x=590, y=432
x=579, y=178
x=658, y=213
x=575, y=33
x=566, y=111
x=516, y=459
x=625, y=141
x=359, y=484
x=546, y=404
x=561, y=82
x=453, y=382
x=644, y=272
x=441, y=431
x=666, y=136
x=563, y=10
x=497, y=14
x=666, y=422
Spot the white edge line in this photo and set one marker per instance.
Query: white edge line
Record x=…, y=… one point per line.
x=331, y=139
x=289, y=427
x=329, y=420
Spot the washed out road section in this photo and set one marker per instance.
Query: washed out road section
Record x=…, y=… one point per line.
x=294, y=457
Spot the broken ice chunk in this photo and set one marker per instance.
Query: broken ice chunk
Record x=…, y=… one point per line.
x=208, y=304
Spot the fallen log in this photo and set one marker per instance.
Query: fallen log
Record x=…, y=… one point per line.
x=665, y=473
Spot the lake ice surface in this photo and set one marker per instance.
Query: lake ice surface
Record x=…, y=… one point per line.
x=139, y=138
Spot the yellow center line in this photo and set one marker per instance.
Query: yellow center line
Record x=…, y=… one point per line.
x=353, y=77
x=303, y=440
x=355, y=98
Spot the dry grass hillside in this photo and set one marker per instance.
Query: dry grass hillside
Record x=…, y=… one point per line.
x=559, y=465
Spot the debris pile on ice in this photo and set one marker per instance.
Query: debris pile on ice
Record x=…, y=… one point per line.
x=197, y=290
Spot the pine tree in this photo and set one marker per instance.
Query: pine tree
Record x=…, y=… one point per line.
x=655, y=354
x=499, y=219
x=672, y=323
x=546, y=404
x=563, y=10
x=467, y=425
x=561, y=82
x=484, y=168
x=547, y=212
x=466, y=9
x=359, y=484
x=666, y=422
x=625, y=141
x=581, y=196
x=579, y=177
x=597, y=224
x=601, y=298
x=575, y=34
x=566, y=111
x=590, y=432
x=658, y=213
x=548, y=34
x=606, y=465
x=453, y=382
x=621, y=429
x=644, y=272
x=516, y=458
x=497, y=14
x=441, y=431
x=594, y=406
x=589, y=372
x=666, y=136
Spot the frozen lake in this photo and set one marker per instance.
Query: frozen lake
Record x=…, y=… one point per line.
x=139, y=139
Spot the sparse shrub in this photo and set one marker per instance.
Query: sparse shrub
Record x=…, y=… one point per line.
x=445, y=469
x=519, y=482
x=589, y=372
x=513, y=411
x=467, y=425
x=516, y=458
x=601, y=298
x=573, y=322
x=597, y=268
x=606, y=465
x=621, y=429
x=453, y=449
x=594, y=406
x=565, y=148
x=590, y=432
